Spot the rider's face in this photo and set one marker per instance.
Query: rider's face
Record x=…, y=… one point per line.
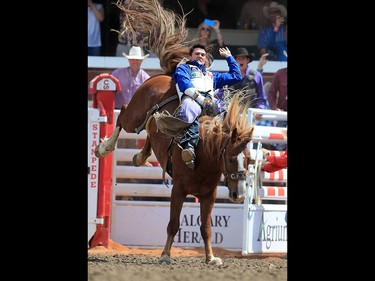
x=199, y=55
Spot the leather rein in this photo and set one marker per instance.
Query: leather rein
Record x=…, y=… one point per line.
x=153, y=110
x=238, y=175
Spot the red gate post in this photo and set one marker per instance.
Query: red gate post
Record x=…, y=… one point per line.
x=104, y=87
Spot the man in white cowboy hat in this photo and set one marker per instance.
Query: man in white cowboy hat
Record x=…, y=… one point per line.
x=272, y=39
x=130, y=77
x=274, y=6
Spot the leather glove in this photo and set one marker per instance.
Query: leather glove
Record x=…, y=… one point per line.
x=208, y=107
x=199, y=98
x=205, y=103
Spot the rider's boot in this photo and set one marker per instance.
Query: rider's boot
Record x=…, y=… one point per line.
x=189, y=143
x=188, y=152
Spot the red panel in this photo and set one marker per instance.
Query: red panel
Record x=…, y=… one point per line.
x=276, y=136
x=271, y=191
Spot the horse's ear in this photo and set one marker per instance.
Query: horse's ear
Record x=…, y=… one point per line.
x=234, y=135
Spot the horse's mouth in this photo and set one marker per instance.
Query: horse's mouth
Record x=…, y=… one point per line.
x=238, y=199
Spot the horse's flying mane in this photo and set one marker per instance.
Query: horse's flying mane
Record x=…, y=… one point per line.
x=214, y=129
x=161, y=30
x=164, y=33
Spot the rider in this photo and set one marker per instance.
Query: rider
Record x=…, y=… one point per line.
x=195, y=87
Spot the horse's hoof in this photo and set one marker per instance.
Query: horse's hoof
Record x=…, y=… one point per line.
x=97, y=151
x=215, y=261
x=135, y=160
x=165, y=259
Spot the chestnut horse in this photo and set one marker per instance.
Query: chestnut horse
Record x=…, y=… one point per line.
x=222, y=149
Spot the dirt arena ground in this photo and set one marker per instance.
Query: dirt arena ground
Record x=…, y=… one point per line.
x=120, y=263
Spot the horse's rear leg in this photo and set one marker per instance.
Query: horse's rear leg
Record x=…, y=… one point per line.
x=177, y=200
x=206, y=205
x=141, y=157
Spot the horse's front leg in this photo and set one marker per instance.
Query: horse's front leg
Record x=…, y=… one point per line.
x=141, y=157
x=177, y=200
x=206, y=205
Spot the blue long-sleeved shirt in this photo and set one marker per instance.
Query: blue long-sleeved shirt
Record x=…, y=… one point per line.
x=182, y=75
x=274, y=42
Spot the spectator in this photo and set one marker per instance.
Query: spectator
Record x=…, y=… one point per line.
x=262, y=62
x=195, y=86
x=252, y=84
x=252, y=81
x=273, y=38
x=130, y=77
x=95, y=17
x=278, y=92
x=273, y=163
x=278, y=97
x=204, y=34
x=251, y=16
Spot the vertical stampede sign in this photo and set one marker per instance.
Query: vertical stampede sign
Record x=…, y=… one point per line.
x=93, y=169
x=93, y=160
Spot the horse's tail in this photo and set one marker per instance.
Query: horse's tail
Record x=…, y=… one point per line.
x=161, y=30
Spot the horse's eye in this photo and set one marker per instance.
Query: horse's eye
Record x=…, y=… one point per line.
x=232, y=159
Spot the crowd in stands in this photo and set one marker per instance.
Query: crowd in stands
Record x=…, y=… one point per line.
x=267, y=17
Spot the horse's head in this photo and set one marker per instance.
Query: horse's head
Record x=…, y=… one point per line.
x=231, y=135
x=236, y=157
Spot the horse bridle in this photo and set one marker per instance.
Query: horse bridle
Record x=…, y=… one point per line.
x=238, y=175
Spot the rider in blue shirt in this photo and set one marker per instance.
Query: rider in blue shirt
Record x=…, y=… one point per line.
x=195, y=87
